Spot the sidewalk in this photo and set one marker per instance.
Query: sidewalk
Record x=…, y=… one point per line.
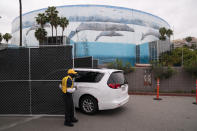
x=162, y=94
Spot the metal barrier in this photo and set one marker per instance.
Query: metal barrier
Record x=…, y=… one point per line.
x=83, y=62
x=95, y=63
x=29, y=79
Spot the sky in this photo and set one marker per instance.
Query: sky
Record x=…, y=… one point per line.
x=180, y=14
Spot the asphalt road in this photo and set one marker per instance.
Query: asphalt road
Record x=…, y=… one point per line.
x=141, y=113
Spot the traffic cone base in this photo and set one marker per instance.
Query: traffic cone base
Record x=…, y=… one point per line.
x=195, y=103
x=157, y=99
x=196, y=93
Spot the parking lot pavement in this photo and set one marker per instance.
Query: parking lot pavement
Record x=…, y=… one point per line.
x=141, y=113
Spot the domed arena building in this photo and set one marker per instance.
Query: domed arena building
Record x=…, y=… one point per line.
x=104, y=32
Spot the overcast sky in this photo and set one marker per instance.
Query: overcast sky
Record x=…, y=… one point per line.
x=180, y=14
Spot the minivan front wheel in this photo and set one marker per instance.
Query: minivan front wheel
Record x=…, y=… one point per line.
x=88, y=105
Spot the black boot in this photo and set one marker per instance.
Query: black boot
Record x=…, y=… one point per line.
x=74, y=120
x=68, y=124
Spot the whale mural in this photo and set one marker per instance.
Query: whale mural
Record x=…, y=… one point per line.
x=35, y=27
x=150, y=32
x=101, y=27
x=102, y=31
x=108, y=33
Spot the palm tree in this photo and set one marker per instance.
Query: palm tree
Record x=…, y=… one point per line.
x=162, y=32
x=1, y=38
x=56, y=23
x=40, y=35
x=20, y=6
x=169, y=32
x=63, y=24
x=7, y=37
x=51, y=13
x=188, y=39
x=41, y=19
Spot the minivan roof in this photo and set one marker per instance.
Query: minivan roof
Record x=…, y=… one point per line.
x=103, y=70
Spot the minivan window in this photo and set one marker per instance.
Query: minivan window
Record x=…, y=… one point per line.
x=117, y=78
x=88, y=76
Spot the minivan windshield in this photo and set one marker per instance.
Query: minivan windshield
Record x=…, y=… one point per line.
x=117, y=78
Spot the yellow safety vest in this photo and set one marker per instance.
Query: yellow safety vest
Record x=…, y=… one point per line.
x=64, y=83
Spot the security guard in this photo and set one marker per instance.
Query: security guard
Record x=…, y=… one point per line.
x=68, y=89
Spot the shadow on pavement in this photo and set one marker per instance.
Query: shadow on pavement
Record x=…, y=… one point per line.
x=117, y=111
x=111, y=112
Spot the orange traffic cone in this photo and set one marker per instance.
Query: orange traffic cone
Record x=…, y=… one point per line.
x=157, y=98
x=196, y=93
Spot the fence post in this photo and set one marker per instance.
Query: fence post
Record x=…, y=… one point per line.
x=157, y=98
x=30, y=90
x=196, y=93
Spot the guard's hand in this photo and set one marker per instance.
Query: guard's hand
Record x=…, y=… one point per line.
x=74, y=89
x=60, y=86
x=71, y=90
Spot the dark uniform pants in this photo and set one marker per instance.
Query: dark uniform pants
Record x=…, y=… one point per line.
x=69, y=107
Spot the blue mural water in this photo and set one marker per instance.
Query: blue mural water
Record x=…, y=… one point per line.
x=107, y=52
x=144, y=53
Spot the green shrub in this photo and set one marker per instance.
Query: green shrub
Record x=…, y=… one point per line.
x=118, y=64
x=192, y=69
x=168, y=72
x=193, y=91
x=162, y=72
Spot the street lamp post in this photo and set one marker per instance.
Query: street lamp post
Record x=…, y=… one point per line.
x=182, y=58
x=20, y=6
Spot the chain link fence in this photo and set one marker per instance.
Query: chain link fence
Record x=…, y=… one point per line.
x=143, y=80
x=30, y=77
x=83, y=62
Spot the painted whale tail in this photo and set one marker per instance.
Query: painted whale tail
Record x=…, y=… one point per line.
x=142, y=36
x=72, y=33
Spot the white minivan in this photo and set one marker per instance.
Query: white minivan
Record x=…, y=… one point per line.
x=100, y=89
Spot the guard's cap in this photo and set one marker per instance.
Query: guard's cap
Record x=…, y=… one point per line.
x=71, y=71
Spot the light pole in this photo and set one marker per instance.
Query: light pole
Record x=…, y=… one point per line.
x=182, y=58
x=20, y=12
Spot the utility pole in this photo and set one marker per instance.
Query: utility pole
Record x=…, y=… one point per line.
x=182, y=58
x=20, y=6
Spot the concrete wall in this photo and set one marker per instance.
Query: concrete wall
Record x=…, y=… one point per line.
x=181, y=81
